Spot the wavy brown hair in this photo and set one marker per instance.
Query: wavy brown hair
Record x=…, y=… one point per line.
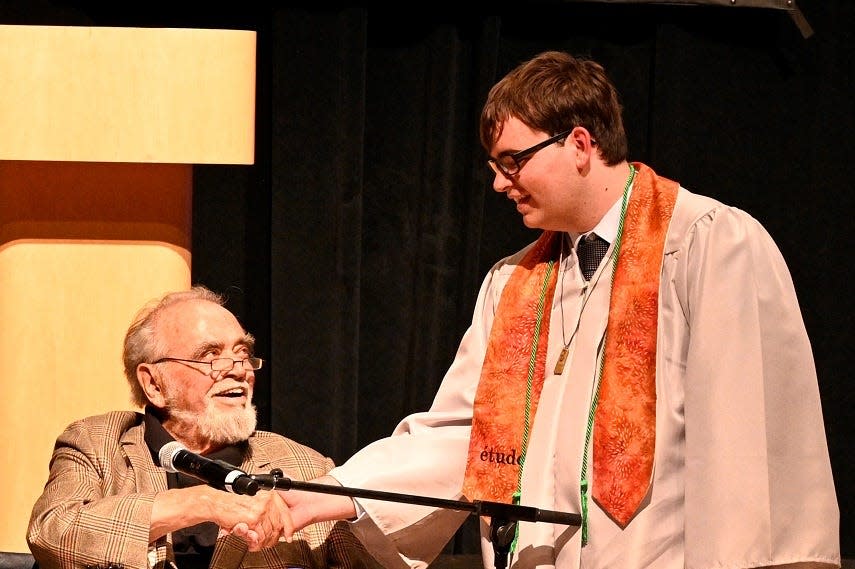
x=554, y=92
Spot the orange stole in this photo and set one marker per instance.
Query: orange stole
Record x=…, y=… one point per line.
x=622, y=463
x=499, y=423
x=625, y=418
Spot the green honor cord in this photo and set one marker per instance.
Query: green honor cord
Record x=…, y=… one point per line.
x=584, y=483
x=529, y=380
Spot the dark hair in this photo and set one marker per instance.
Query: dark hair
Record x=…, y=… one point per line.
x=553, y=92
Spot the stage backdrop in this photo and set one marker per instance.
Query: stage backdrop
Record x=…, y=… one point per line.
x=355, y=245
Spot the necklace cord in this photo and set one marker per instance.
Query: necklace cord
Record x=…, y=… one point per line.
x=533, y=358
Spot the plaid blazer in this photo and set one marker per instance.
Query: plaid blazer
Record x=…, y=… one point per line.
x=95, y=510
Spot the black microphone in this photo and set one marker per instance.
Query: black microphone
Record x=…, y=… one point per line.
x=174, y=457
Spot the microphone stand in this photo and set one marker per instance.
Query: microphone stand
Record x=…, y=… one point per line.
x=503, y=517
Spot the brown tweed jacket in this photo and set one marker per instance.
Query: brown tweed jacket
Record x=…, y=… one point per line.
x=95, y=510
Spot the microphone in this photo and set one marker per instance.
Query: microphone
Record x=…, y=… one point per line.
x=174, y=457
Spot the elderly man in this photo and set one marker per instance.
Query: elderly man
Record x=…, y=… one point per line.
x=108, y=503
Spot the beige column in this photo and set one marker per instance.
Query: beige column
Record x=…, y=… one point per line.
x=100, y=128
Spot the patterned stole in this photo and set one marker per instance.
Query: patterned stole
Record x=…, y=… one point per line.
x=625, y=419
x=514, y=364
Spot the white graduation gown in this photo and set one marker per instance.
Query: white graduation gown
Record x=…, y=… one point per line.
x=742, y=476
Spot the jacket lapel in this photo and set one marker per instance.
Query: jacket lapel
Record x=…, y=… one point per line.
x=147, y=478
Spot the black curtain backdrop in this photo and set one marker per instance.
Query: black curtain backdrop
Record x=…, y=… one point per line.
x=354, y=247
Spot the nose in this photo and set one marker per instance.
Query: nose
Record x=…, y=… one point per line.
x=501, y=183
x=238, y=371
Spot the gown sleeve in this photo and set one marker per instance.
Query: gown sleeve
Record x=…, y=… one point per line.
x=759, y=486
x=425, y=455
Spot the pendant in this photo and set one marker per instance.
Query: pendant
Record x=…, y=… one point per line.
x=562, y=359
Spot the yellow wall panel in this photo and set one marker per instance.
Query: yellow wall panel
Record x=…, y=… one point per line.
x=100, y=128
x=109, y=94
x=82, y=247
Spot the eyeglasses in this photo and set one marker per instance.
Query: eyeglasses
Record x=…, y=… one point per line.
x=220, y=364
x=510, y=164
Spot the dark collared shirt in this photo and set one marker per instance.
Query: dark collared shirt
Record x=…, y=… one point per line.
x=193, y=546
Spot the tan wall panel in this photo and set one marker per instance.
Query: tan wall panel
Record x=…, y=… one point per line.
x=66, y=300
x=103, y=94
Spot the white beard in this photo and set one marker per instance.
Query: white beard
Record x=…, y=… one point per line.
x=214, y=426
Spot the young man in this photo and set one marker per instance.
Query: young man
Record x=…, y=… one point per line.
x=643, y=364
x=107, y=503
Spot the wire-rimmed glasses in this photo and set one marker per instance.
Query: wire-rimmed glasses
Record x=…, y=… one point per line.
x=220, y=364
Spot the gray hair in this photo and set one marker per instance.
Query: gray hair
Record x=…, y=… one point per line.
x=140, y=343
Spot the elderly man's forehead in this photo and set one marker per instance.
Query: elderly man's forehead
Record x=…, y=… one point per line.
x=189, y=308
x=189, y=317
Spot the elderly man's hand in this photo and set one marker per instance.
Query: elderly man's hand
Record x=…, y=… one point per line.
x=260, y=520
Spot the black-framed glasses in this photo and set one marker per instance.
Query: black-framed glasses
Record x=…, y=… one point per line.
x=220, y=364
x=510, y=164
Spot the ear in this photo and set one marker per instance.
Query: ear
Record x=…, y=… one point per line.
x=150, y=379
x=583, y=142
